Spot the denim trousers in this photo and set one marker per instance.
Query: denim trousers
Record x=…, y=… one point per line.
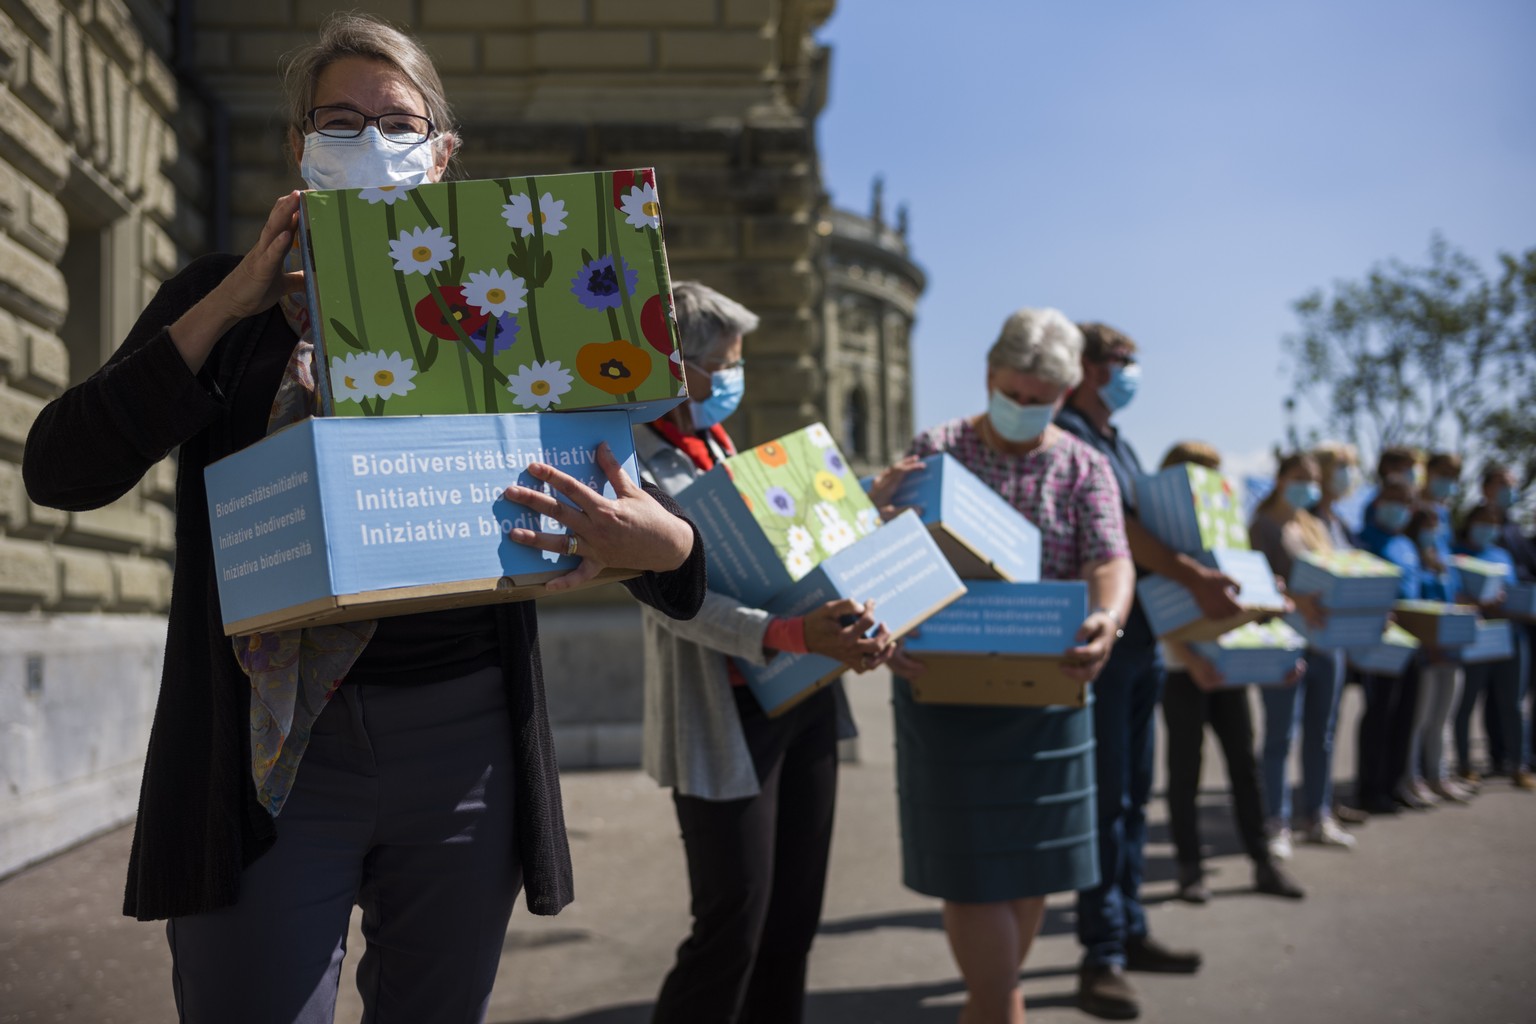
x=1439, y=686
x=1312, y=703
x=402, y=805
x=1125, y=698
x=1502, y=686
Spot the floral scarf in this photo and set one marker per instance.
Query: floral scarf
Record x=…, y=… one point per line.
x=293, y=672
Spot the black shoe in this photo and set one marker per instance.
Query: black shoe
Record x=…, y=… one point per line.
x=1273, y=880
x=1351, y=815
x=1192, y=884
x=1104, y=991
x=1145, y=953
x=1383, y=805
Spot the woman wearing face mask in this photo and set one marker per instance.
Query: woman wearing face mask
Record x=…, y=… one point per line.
x=1500, y=683
x=425, y=789
x=754, y=795
x=1283, y=527
x=997, y=804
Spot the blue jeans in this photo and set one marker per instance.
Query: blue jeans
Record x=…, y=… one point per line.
x=1125, y=697
x=1502, y=685
x=1315, y=702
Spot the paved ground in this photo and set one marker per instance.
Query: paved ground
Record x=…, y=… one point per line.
x=1430, y=920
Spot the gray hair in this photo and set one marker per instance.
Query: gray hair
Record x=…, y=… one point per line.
x=707, y=320
x=1042, y=343
x=354, y=34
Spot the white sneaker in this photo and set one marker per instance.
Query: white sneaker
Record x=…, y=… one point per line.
x=1421, y=790
x=1280, y=846
x=1328, y=832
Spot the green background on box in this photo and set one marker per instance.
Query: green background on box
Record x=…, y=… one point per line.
x=1397, y=636
x=1259, y=635
x=1479, y=567
x=803, y=497
x=1218, y=513
x=576, y=336
x=1352, y=563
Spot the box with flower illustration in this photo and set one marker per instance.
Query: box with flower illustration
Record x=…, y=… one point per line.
x=338, y=519
x=1481, y=580
x=770, y=514
x=1389, y=655
x=1349, y=580
x=533, y=294
x=1192, y=509
x=898, y=567
x=1494, y=642
x=1520, y=601
x=1437, y=623
x=1262, y=653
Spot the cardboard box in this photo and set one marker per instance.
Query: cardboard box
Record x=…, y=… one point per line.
x=1002, y=644
x=336, y=520
x=771, y=514
x=1438, y=623
x=1192, y=509
x=983, y=536
x=1341, y=630
x=1347, y=580
x=1173, y=614
x=1480, y=580
x=898, y=567
x=1520, y=601
x=1389, y=655
x=531, y=294
x=1493, y=642
x=1263, y=653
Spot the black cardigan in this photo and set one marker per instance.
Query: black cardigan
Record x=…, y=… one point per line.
x=199, y=822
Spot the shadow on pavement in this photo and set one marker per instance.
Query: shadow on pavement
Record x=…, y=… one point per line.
x=1058, y=921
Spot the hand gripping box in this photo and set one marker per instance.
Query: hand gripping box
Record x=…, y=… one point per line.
x=1192, y=509
x=336, y=520
x=1349, y=580
x=1389, y=655
x=1480, y=580
x=530, y=294
x=1342, y=629
x=1002, y=644
x=1173, y=614
x=1264, y=653
x=982, y=535
x=1437, y=623
x=898, y=567
x=1494, y=642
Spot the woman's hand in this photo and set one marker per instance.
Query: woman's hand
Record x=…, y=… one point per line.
x=1203, y=671
x=1095, y=640
x=841, y=630
x=888, y=482
x=903, y=664
x=1297, y=671
x=1312, y=610
x=628, y=531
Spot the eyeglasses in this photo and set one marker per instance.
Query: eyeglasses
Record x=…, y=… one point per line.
x=712, y=368
x=346, y=123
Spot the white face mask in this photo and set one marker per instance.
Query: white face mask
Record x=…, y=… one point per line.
x=367, y=161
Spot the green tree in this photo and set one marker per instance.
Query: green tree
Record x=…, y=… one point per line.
x=1441, y=356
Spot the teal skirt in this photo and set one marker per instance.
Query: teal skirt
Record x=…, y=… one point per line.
x=996, y=803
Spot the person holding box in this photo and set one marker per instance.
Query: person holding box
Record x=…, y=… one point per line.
x=997, y=802
x=1500, y=492
x=754, y=795
x=1282, y=528
x=1194, y=696
x=428, y=791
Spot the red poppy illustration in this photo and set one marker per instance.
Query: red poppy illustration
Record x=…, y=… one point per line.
x=429, y=314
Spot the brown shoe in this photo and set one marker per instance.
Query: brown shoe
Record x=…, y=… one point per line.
x=1523, y=779
x=1144, y=953
x=1104, y=991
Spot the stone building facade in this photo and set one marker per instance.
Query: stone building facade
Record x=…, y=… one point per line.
x=135, y=134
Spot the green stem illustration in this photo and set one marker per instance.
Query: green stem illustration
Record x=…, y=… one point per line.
x=536, y=259
x=405, y=300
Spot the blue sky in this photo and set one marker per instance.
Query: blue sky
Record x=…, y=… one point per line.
x=1182, y=170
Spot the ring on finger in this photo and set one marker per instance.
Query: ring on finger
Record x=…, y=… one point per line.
x=572, y=542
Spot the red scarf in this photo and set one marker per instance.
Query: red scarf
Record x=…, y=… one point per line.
x=694, y=446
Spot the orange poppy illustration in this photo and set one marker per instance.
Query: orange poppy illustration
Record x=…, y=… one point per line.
x=772, y=453
x=616, y=367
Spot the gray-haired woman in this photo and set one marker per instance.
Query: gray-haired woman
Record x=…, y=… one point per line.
x=997, y=803
x=754, y=795
x=428, y=792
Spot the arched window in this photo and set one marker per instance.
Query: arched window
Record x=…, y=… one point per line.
x=856, y=422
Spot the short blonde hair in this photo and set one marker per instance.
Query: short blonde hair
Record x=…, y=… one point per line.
x=1042, y=343
x=1198, y=452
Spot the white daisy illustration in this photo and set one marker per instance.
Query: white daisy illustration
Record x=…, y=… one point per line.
x=421, y=250
x=495, y=292
x=867, y=521
x=798, y=563
x=344, y=379
x=641, y=210
x=389, y=195
x=539, y=384
x=837, y=536
x=828, y=513
x=382, y=374
x=800, y=539
x=818, y=435
x=518, y=213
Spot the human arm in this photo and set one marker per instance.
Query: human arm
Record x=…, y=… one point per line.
x=888, y=481
x=1111, y=587
x=1212, y=589
x=1201, y=669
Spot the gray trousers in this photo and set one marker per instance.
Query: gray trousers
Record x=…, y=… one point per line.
x=402, y=805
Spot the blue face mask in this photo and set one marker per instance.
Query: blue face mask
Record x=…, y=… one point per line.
x=725, y=390
x=1391, y=516
x=1443, y=488
x=1017, y=423
x=1482, y=535
x=1123, y=382
x=1505, y=499
x=1303, y=493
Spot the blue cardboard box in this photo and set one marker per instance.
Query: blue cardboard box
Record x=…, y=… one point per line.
x=982, y=535
x=1264, y=653
x=1192, y=509
x=1520, y=601
x=1002, y=644
x=1173, y=614
x=1480, y=580
x=1494, y=642
x=335, y=520
x=1347, y=580
x=1341, y=629
x=1389, y=655
x=1438, y=623
x=898, y=566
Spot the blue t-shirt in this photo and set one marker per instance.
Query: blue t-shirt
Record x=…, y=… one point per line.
x=1404, y=554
